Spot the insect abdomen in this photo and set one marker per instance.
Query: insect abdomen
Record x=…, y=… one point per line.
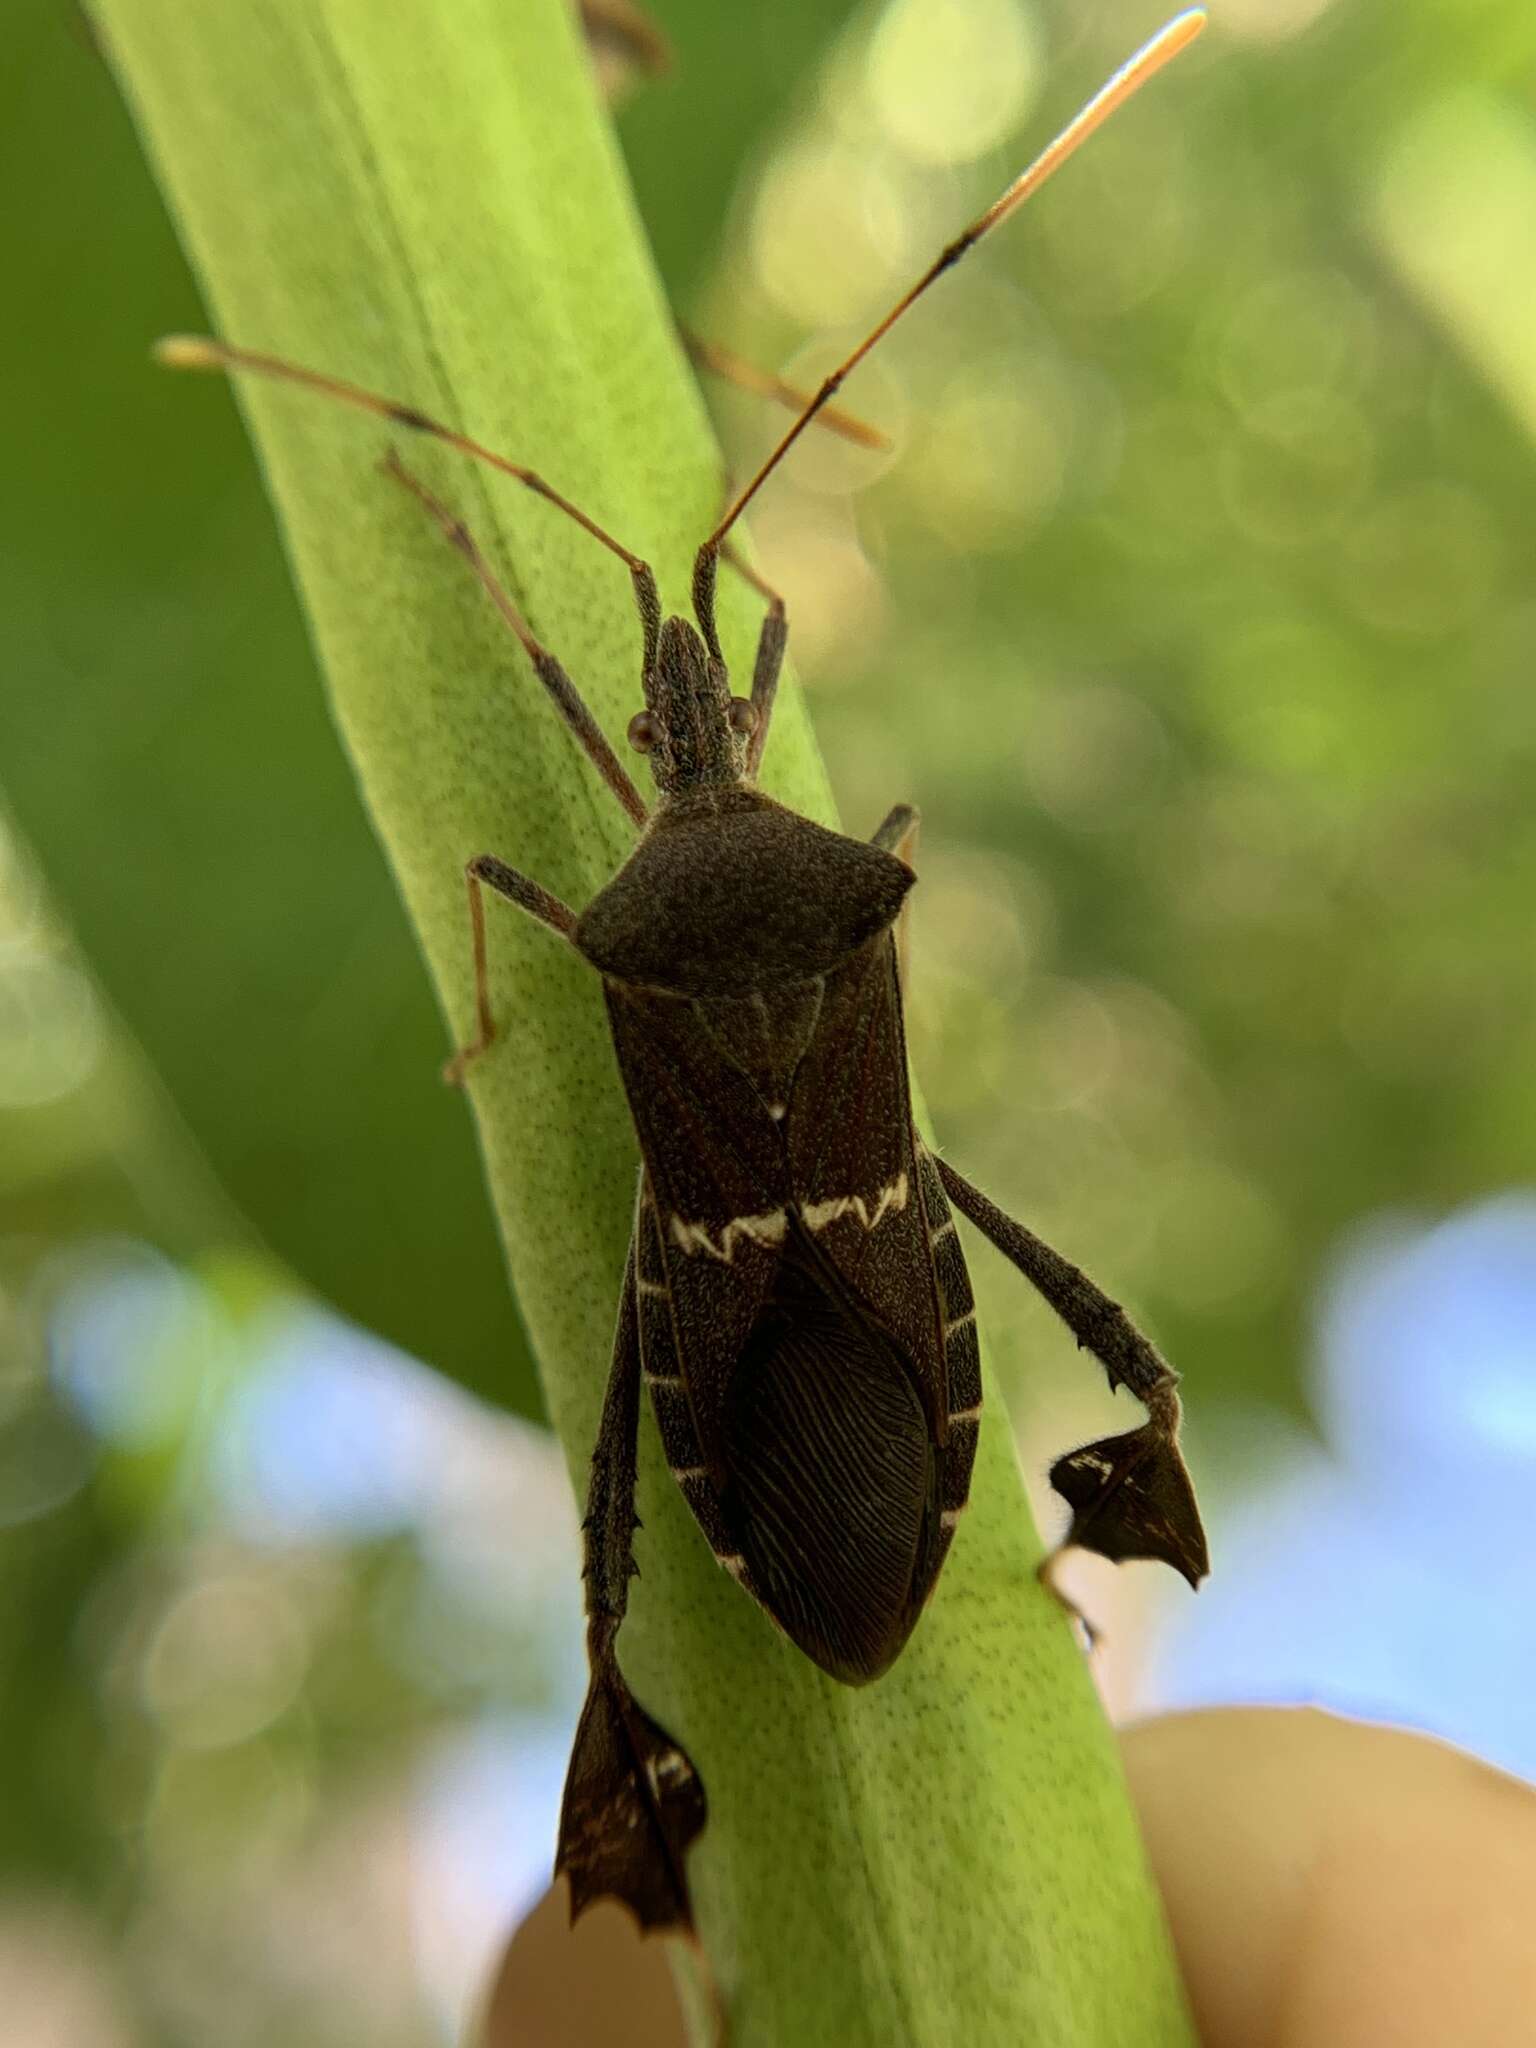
x=962, y=1350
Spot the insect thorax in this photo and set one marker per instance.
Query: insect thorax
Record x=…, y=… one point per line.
x=731, y=895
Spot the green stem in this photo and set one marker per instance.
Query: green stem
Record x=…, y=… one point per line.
x=426, y=199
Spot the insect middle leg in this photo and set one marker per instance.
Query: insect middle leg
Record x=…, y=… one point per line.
x=1131, y=1495
x=897, y=833
x=485, y=870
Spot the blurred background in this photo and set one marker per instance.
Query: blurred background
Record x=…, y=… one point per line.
x=1192, y=603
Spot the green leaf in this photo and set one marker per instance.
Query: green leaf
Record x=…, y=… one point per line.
x=428, y=200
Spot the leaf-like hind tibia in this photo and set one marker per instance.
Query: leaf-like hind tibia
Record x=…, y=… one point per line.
x=633, y=1803
x=1131, y=1496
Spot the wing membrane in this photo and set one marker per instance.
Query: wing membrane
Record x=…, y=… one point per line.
x=833, y=1484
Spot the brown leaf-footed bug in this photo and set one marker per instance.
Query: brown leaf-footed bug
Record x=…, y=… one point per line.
x=795, y=1296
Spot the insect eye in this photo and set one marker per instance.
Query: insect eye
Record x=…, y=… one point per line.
x=743, y=716
x=642, y=732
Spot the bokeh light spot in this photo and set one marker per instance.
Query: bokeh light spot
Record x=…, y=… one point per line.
x=1072, y=1047
x=949, y=83
x=1291, y=478
x=1422, y=561
x=1093, y=756
x=810, y=547
x=1451, y=203
x=44, y=1459
x=50, y=1031
x=1123, y=226
x=993, y=458
x=133, y=1339
x=829, y=232
x=1270, y=21
x=1296, y=330
x=227, y=1659
x=1219, y=1237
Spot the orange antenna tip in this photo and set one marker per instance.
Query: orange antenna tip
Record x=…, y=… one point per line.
x=1171, y=38
x=1161, y=49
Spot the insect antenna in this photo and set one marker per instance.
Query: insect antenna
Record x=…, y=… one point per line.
x=201, y=352
x=1173, y=37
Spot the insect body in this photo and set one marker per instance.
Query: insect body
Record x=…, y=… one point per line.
x=815, y=1382
x=795, y=1297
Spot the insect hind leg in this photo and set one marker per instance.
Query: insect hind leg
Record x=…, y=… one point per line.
x=1130, y=1495
x=633, y=1802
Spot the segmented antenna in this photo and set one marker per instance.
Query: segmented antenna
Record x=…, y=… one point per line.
x=1175, y=36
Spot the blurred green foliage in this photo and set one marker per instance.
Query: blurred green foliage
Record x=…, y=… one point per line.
x=168, y=754
x=1193, y=611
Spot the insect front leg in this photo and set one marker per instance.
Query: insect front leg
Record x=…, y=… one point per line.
x=485, y=870
x=769, y=660
x=565, y=696
x=197, y=352
x=633, y=1801
x=1130, y=1495
x=771, y=637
